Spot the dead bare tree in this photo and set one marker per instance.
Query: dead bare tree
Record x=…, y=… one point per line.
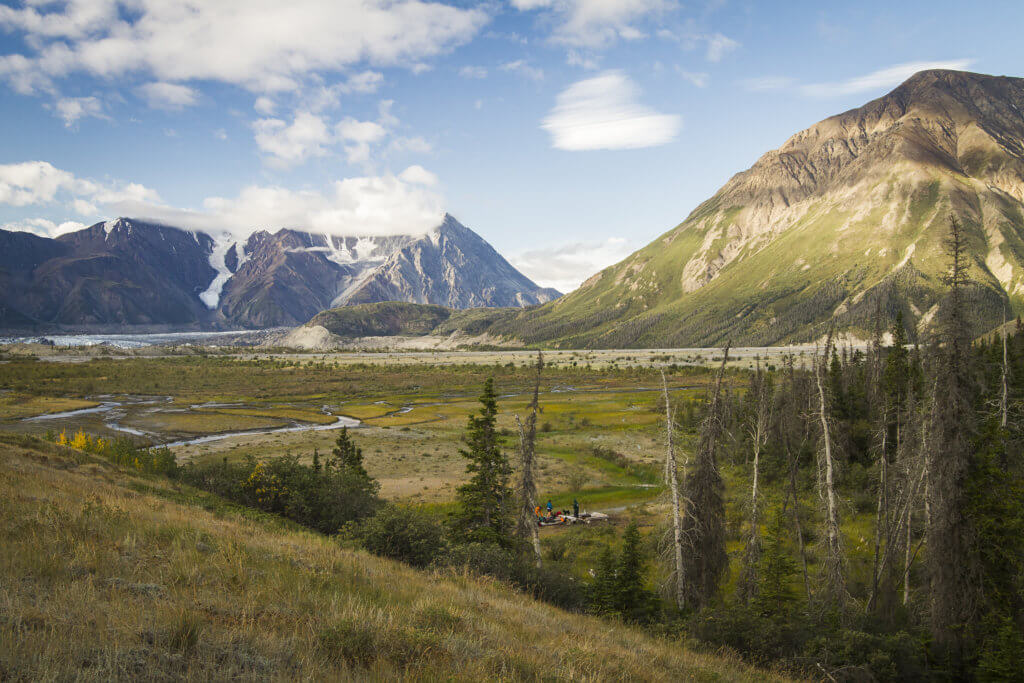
x=1004, y=396
x=758, y=432
x=672, y=479
x=834, y=565
x=526, y=490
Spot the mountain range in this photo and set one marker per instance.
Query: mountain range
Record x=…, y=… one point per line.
x=843, y=225
x=128, y=274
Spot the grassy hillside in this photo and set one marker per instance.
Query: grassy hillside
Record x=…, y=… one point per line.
x=107, y=574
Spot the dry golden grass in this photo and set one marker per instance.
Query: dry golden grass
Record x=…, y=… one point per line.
x=200, y=422
x=283, y=413
x=108, y=575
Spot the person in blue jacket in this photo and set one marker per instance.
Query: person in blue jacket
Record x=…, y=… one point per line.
x=550, y=508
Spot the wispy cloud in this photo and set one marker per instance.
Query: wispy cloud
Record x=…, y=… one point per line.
x=880, y=79
x=71, y=109
x=566, y=266
x=473, y=72
x=168, y=95
x=596, y=23
x=602, y=113
x=524, y=69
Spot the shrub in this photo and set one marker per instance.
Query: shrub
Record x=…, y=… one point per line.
x=402, y=533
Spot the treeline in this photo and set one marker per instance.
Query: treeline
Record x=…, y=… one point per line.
x=882, y=523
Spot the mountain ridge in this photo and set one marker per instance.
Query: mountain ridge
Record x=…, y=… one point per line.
x=844, y=220
x=133, y=275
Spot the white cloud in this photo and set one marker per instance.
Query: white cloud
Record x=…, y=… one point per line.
x=366, y=205
x=372, y=205
x=602, y=113
x=309, y=135
x=718, y=46
x=321, y=97
x=263, y=45
x=360, y=131
x=42, y=227
x=168, y=95
x=265, y=105
x=881, y=79
x=595, y=23
x=220, y=134
x=288, y=144
x=565, y=267
x=417, y=175
x=415, y=144
x=71, y=109
x=39, y=183
x=699, y=79
x=473, y=72
x=521, y=67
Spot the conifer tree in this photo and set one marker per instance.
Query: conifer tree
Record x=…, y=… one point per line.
x=952, y=566
x=485, y=501
x=706, y=561
x=347, y=456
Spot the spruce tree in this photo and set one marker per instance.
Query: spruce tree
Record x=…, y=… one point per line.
x=631, y=597
x=952, y=563
x=347, y=456
x=485, y=502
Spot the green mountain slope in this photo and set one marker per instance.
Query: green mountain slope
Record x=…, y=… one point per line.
x=111, y=575
x=846, y=219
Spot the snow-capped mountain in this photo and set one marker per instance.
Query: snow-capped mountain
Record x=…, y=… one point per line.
x=128, y=273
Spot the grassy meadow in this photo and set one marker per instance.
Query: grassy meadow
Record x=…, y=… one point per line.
x=113, y=575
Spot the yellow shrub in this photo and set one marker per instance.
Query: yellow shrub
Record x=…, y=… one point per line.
x=82, y=441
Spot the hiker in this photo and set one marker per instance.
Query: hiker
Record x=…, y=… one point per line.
x=536, y=511
x=550, y=508
x=575, y=508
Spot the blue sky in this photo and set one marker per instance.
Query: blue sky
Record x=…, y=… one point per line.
x=566, y=132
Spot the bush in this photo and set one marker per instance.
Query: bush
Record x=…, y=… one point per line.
x=324, y=500
x=402, y=533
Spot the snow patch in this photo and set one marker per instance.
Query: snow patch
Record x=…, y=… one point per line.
x=211, y=297
x=364, y=248
x=240, y=255
x=340, y=256
x=109, y=226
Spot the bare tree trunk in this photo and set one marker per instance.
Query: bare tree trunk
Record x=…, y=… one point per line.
x=834, y=564
x=1006, y=371
x=526, y=525
x=921, y=481
x=881, y=516
x=672, y=477
x=758, y=435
